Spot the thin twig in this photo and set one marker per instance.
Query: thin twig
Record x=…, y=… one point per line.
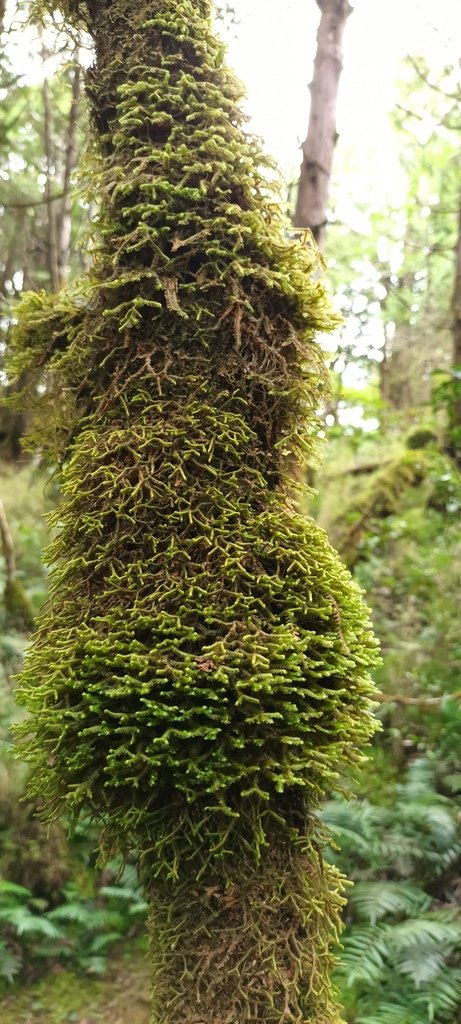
x=24, y=204
x=7, y=545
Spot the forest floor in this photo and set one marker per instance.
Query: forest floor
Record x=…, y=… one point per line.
x=120, y=997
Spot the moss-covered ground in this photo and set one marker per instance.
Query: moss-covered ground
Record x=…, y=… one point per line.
x=120, y=997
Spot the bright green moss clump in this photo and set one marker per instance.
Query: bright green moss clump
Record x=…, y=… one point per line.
x=201, y=672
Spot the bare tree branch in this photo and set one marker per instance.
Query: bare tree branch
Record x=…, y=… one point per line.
x=23, y=204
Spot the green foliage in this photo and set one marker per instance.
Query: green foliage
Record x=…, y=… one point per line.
x=79, y=932
x=401, y=948
x=421, y=437
x=18, y=607
x=447, y=396
x=23, y=497
x=412, y=577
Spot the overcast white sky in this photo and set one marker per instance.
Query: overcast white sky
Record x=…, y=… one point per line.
x=272, y=50
x=273, y=54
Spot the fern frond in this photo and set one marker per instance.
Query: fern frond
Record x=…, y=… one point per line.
x=363, y=955
x=75, y=912
x=116, y=892
x=439, y=929
x=421, y=947
x=419, y=780
x=433, y=815
x=360, y=817
x=10, y=963
x=11, y=889
x=394, y=1013
x=373, y=901
x=25, y=923
x=443, y=995
x=100, y=943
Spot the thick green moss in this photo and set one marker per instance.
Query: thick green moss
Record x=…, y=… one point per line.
x=200, y=676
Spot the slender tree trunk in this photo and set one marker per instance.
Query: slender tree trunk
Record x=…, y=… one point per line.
x=64, y=219
x=7, y=545
x=13, y=422
x=318, y=149
x=17, y=605
x=52, y=239
x=456, y=339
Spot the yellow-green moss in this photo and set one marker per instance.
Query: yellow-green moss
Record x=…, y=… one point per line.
x=200, y=676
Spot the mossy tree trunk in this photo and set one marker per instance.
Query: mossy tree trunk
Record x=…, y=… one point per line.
x=201, y=673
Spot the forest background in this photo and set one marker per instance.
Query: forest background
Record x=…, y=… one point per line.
x=388, y=492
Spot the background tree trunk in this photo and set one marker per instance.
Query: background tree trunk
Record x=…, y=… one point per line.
x=64, y=218
x=52, y=238
x=318, y=149
x=456, y=336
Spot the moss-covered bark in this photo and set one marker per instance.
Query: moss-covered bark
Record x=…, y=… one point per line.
x=201, y=673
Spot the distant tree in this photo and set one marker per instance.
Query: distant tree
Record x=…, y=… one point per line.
x=456, y=333
x=39, y=144
x=318, y=149
x=429, y=281
x=201, y=673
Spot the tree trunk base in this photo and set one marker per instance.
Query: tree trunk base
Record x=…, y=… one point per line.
x=246, y=945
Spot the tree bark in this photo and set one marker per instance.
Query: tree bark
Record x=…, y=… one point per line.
x=456, y=340
x=318, y=149
x=64, y=219
x=17, y=605
x=52, y=240
x=7, y=545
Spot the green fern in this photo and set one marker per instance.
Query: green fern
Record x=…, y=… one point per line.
x=400, y=960
x=394, y=1013
x=363, y=955
x=443, y=995
x=421, y=947
x=419, y=779
x=77, y=931
x=24, y=923
x=10, y=963
x=88, y=916
x=375, y=900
